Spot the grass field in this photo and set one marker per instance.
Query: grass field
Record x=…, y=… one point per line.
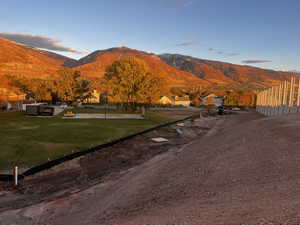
x=27, y=141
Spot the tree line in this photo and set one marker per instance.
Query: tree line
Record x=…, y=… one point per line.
x=128, y=82
x=68, y=87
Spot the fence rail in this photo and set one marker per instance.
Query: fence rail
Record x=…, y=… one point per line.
x=280, y=100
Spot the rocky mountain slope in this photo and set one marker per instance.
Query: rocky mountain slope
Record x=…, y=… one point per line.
x=94, y=65
x=64, y=60
x=17, y=59
x=176, y=70
x=222, y=73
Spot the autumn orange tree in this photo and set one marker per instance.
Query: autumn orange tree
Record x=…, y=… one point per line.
x=38, y=89
x=239, y=98
x=67, y=87
x=70, y=87
x=130, y=82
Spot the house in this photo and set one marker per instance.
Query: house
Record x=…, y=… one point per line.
x=212, y=99
x=184, y=100
x=165, y=100
x=94, y=98
x=175, y=100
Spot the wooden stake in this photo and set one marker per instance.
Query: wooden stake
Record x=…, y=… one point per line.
x=16, y=176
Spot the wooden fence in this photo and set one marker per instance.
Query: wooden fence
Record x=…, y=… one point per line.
x=280, y=100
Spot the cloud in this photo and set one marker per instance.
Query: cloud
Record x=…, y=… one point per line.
x=254, y=61
x=232, y=54
x=189, y=43
x=39, y=41
x=221, y=52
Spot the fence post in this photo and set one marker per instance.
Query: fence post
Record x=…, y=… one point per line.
x=281, y=98
x=285, y=96
x=272, y=101
x=16, y=176
x=277, y=100
x=265, y=102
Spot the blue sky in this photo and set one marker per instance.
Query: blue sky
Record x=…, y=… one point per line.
x=263, y=33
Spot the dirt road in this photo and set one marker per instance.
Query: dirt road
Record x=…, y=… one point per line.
x=246, y=170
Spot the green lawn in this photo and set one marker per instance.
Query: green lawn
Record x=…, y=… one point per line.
x=27, y=141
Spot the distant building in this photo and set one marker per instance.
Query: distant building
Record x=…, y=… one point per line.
x=212, y=99
x=184, y=100
x=95, y=97
x=165, y=100
x=175, y=100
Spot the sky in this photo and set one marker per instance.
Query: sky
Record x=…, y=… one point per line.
x=262, y=33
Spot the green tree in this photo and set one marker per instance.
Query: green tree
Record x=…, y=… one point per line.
x=130, y=82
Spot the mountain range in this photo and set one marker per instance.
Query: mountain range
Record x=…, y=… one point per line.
x=221, y=73
x=176, y=70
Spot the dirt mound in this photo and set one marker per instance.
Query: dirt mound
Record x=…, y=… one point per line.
x=244, y=171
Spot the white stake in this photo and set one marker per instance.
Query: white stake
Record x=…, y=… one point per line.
x=16, y=176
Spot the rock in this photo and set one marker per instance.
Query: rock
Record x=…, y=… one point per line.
x=159, y=139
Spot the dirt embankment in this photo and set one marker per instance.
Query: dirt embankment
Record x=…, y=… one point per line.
x=245, y=170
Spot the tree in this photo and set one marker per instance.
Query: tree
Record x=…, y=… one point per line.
x=83, y=90
x=177, y=91
x=20, y=83
x=41, y=90
x=37, y=89
x=130, y=82
x=70, y=88
x=66, y=85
